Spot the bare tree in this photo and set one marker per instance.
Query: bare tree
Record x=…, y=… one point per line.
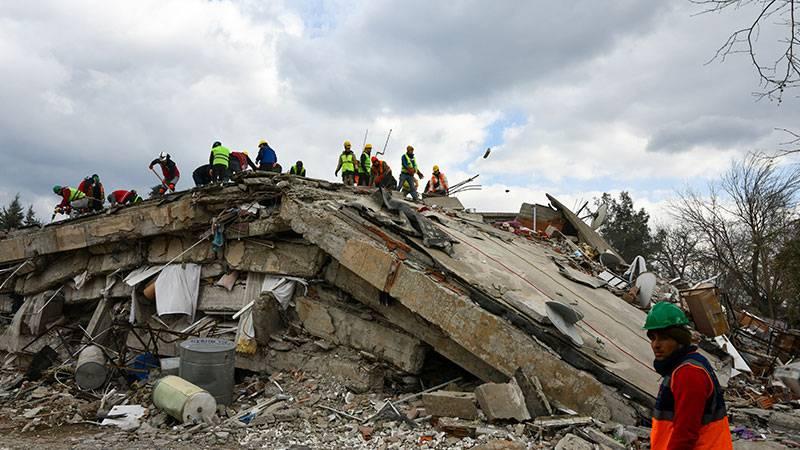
x=678, y=251
x=779, y=70
x=742, y=224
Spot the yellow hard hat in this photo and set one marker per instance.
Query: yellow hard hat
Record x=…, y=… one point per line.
x=368, y=146
x=245, y=153
x=435, y=168
x=347, y=143
x=262, y=143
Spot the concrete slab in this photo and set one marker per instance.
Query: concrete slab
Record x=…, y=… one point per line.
x=346, y=327
x=451, y=404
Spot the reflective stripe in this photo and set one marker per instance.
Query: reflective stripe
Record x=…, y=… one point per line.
x=75, y=194
x=347, y=162
x=293, y=171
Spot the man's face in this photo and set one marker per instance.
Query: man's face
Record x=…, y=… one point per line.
x=663, y=346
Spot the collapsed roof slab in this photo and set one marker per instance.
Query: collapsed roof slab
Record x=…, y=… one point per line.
x=449, y=306
x=402, y=317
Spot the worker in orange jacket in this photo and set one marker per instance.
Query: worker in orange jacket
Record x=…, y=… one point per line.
x=437, y=185
x=690, y=408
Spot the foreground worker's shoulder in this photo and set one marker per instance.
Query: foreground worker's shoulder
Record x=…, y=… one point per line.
x=692, y=377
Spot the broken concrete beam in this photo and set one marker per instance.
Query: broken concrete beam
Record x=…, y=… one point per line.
x=137, y=221
x=345, y=327
x=56, y=272
x=260, y=227
x=561, y=421
x=399, y=315
x=535, y=400
x=93, y=290
x=163, y=249
x=218, y=300
x=109, y=262
x=502, y=401
x=100, y=323
x=451, y=404
x=286, y=258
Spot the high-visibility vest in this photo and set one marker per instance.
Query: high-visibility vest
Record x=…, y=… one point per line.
x=293, y=171
x=221, y=156
x=438, y=181
x=348, y=164
x=714, y=433
x=409, y=162
x=75, y=194
x=366, y=163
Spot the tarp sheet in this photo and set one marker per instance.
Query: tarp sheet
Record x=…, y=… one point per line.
x=177, y=287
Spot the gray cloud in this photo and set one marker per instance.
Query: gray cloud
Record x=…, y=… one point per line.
x=422, y=55
x=709, y=131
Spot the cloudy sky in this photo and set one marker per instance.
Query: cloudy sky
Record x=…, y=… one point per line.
x=575, y=98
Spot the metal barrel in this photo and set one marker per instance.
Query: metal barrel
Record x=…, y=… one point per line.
x=209, y=363
x=90, y=370
x=183, y=400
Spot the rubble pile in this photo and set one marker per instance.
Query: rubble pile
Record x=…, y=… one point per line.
x=339, y=304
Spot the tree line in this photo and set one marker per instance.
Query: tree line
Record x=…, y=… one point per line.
x=744, y=229
x=14, y=216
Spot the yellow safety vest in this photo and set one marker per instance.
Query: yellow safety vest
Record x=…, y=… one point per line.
x=221, y=155
x=75, y=194
x=347, y=162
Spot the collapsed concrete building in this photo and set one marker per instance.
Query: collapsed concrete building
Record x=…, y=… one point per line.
x=358, y=267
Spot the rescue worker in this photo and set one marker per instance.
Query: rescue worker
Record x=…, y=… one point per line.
x=298, y=169
x=437, y=184
x=266, y=157
x=382, y=174
x=348, y=165
x=365, y=166
x=202, y=175
x=94, y=191
x=123, y=197
x=408, y=170
x=219, y=160
x=71, y=199
x=239, y=162
x=170, y=171
x=690, y=409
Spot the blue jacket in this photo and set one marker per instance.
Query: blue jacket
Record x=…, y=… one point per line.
x=266, y=156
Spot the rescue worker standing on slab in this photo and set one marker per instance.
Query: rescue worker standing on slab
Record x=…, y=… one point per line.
x=71, y=199
x=365, y=166
x=690, y=409
x=437, y=184
x=219, y=160
x=94, y=191
x=348, y=165
x=266, y=157
x=407, y=172
x=298, y=169
x=169, y=169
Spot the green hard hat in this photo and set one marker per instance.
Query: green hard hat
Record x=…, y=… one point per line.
x=57, y=189
x=664, y=315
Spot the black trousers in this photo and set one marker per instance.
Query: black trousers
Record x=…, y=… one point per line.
x=219, y=173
